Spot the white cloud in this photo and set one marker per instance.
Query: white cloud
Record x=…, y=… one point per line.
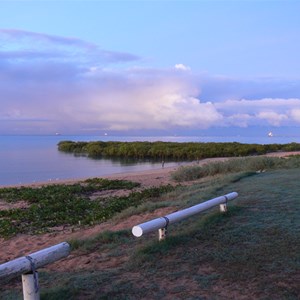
x=275, y=112
x=295, y=114
x=182, y=67
x=61, y=84
x=67, y=95
x=144, y=100
x=239, y=120
x=272, y=117
x=25, y=46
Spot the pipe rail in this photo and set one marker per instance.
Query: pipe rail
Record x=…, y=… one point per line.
x=27, y=267
x=162, y=223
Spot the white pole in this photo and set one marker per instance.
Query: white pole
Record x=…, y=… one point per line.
x=30, y=286
x=27, y=266
x=37, y=259
x=223, y=207
x=163, y=222
x=162, y=232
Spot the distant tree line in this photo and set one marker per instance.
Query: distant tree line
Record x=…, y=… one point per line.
x=170, y=150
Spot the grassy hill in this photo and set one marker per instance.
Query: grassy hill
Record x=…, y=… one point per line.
x=251, y=252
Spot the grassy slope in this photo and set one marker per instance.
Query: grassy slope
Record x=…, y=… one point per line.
x=252, y=252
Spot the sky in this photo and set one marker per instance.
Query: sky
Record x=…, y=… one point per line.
x=150, y=67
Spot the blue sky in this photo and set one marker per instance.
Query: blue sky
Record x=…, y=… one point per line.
x=149, y=67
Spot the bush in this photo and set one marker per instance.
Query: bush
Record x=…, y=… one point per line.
x=254, y=164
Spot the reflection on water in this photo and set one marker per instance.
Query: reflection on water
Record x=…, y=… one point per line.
x=35, y=159
x=28, y=159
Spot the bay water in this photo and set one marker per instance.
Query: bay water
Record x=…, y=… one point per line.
x=30, y=159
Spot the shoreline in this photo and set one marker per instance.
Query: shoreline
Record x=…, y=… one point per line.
x=115, y=176
x=160, y=175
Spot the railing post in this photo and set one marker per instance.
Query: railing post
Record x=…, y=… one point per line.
x=223, y=208
x=30, y=286
x=162, y=233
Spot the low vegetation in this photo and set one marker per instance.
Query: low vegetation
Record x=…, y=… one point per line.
x=251, y=252
x=170, y=150
x=235, y=165
x=67, y=205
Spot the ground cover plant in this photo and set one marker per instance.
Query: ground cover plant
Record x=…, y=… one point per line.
x=66, y=205
x=251, y=252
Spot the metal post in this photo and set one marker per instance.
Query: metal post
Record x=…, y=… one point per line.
x=223, y=207
x=30, y=286
x=162, y=233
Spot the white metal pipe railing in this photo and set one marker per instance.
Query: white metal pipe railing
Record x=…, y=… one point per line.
x=163, y=222
x=27, y=267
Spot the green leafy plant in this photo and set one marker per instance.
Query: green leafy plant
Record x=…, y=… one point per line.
x=67, y=205
x=170, y=150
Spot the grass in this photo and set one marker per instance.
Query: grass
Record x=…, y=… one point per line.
x=251, y=252
x=106, y=239
x=246, y=164
x=256, y=245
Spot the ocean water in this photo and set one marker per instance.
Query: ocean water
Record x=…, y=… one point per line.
x=29, y=159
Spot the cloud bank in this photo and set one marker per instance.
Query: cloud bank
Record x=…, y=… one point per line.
x=56, y=84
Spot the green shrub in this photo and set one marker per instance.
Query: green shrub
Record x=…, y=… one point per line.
x=247, y=164
x=170, y=150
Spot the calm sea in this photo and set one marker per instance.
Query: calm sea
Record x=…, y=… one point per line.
x=29, y=159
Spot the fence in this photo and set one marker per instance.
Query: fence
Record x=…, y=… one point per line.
x=162, y=223
x=27, y=267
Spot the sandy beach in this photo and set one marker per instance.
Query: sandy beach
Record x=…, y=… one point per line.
x=146, y=178
x=23, y=244
x=154, y=177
